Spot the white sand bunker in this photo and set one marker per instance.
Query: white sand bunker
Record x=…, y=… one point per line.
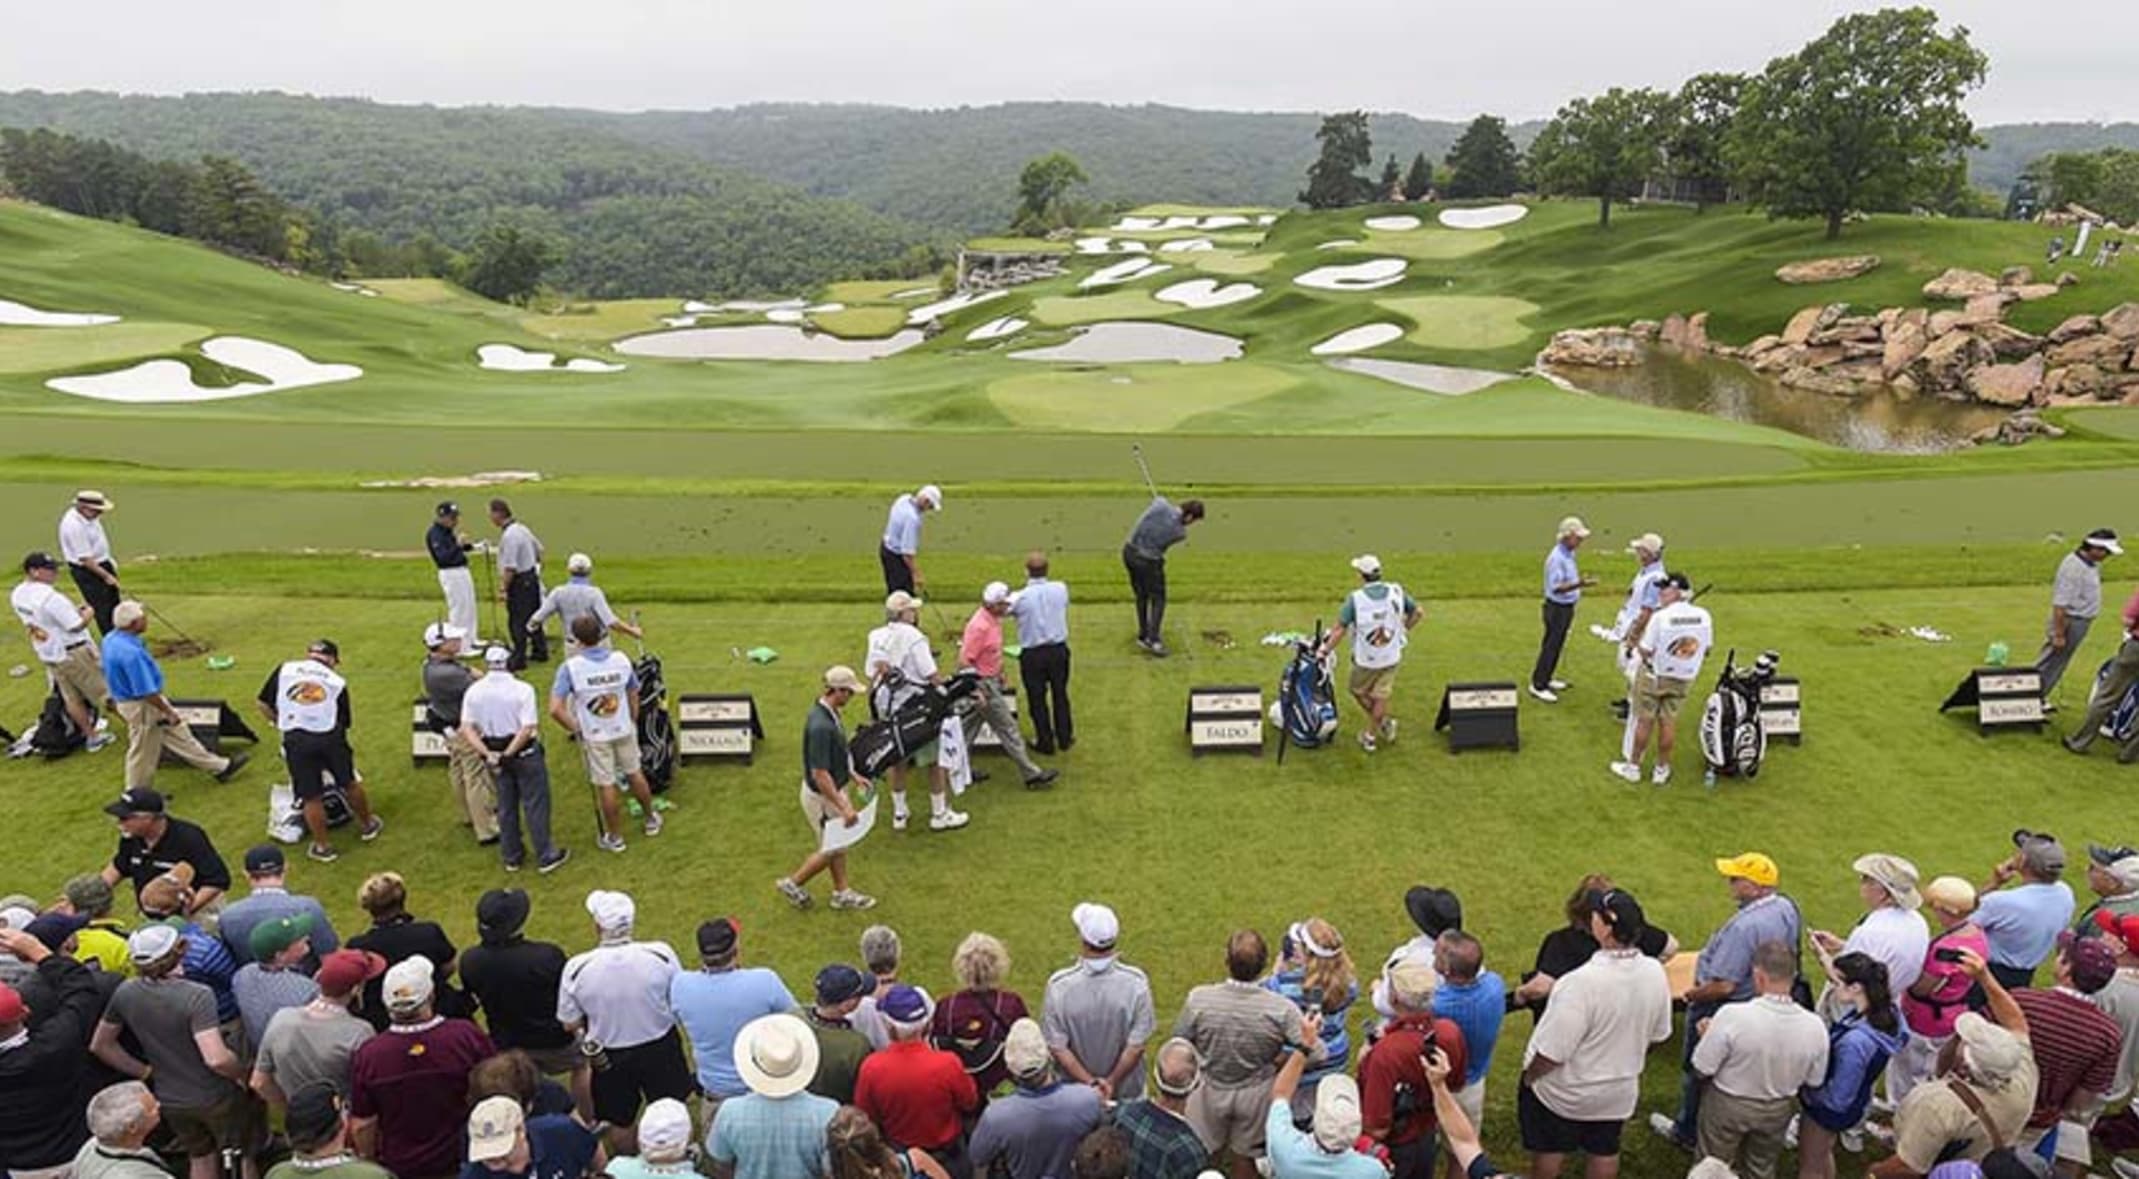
x=916, y=293
x=1121, y=272
x=1135, y=343
x=1358, y=339
x=1433, y=378
x=14, y=314
x=950, y=306
x=996, y=329
x=1094, y=245
x=1489, y=217
x=1339, y=244
x=696, y=307
x=759, y=305
x=1223, y=221
x=762, y=341
x=1137, y=224
x=510, y=359
x=1189, y=245
x=1360, y=276
x=1267, y=219
x=1399, y=224
x=157, y=381
x=354, y=288
x=460, y=482
x=1202, y=293
x=798, y=314
x=1180, y=222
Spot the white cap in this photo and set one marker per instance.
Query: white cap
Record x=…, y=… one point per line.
x=1097, y=925
x=16, y=917
x=613, y=912
x=408, y=983
x=995, y=594
x=1647, y=542
x=1025, y=1051
x=438, y=634
x=1573, y=526
x=901, y=600
x=494, y=1128
x=665, y=1125
x=1337, y=1118
x=932, y=493
x=1992, y=1053
x=151, y=943
x=496, y=656
x=579, y=563
x=1367, y=564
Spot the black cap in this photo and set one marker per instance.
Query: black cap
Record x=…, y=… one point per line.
x=2106, y=856
x=264, y=859
x=1621, y=912
x=53, y=929
x=325, y=647
x=39, y=559
x=716, y=939
x=838, y=983
x=1679, y=582
x=315, y=1113
x=501, y=912
x=2024, y=837
x=1434, y=910
x=448, y=508
x=141, y=800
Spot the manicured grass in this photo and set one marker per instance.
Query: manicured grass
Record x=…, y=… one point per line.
x=1018, y=245
x=1232, y=262
x=601, y=321
x=1463, y=322
x=861, y=323
x=36, y=350
x=1131, y=303
x=1136, y=399
x=1426, y=245
x=868, y=290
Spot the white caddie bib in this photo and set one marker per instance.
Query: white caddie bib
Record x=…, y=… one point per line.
x=601, y=695
x=1378, y=633
x=307, y=696
x=1678, y=640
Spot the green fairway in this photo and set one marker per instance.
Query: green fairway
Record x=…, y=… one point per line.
x=1143, y=398
x=1463, y=322
x=1065, y=310
x=36, y=350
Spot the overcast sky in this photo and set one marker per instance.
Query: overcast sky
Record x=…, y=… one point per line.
x=2061, y=59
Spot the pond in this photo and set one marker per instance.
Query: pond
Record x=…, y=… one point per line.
x=1878, y=421
x=763, y=341
x=1128, y=343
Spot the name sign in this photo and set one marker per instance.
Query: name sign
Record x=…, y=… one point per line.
x=1225, y=718
x=1781, y=709
x=1480, y=716
x=2003, y=697
x=718, y=724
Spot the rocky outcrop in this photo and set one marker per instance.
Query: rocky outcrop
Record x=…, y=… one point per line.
x=2016, y=276
x=1818, y=270
x=2074, y=328
x=1605, y=347
x=2122, y=321
x=1958, y=284
x=2013, y=431
x=2007, y=384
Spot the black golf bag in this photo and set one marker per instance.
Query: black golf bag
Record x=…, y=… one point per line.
x=56, y=734
x=1306, y=709
x=1733, y=740
x=917, y=712
x=657, y=735
x=2123, y=719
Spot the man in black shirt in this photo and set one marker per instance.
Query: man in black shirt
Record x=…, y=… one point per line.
x=151, y=842
x=308, y=701
x=515, y=981
x=42, y=1099
x=450, y=553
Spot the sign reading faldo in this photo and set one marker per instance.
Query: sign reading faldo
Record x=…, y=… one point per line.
x=1225, y=718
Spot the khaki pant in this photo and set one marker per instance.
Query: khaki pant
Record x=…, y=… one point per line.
x=79, y=678
x=473, y=787
x=147, y=737
x=1744, y=1132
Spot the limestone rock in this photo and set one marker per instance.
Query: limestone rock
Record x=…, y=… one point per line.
x=2067, y=279
x=1904, y=387
x=1826, y=269
x=1645, y=328
x=1946, y=362
x=2016, y=276
x=1606, y=347
x=1802, y=325
x=1760, y=345
x=2122, y=321
x=2036, y=291
x=2101, y=351
x=1674, y=330
x=1958, y=284
x=1820, y=356
x=2077, y=326
x=1943, y=322
x=2009, y=342
x=1905, y=341
x=2007, y=384
x=1778, y=358
x=1814, y=381
x=1697, y=333
x=2079, y=380
x=1988, y=308
x=1831, y=315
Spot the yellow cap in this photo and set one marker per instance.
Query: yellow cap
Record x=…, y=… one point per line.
x=1752, y=866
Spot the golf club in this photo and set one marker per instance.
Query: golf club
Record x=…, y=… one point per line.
x=490, y=589
x=1137, y=449
x=186, y=644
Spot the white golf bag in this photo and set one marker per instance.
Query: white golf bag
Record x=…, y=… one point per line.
x=1733, y=740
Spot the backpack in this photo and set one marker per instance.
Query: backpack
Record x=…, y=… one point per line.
x=977, y=1053
x=55, y=735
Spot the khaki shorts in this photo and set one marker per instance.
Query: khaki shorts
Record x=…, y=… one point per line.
x=1378, y=683
x=79, y=678
x=610, y=762
x=816, y=809
x=1659, y=696
x=1230, y=1118
x=233, y=1123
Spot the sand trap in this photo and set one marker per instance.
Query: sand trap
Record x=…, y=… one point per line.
x=1402, y=223
x=1121, y=272
x=510, y=359
x=916, y=293
x=1190, y=245
x=696, y=307
x=1340, y=244
x=1360, y=276
x=1489, y=217
x=1129, y=247
x=950, y=306
x=1224, y=221
x=160, y=381
x=1267, y=219
x=996, y=329
x=1358, y=339
x=798, y=314
x=479, y=479
x=762, y=341
x=354, y=288
x=1094, y=245
x=1433, y=378
x=1137, y=224
x=759, y=305
x=23, y=315
x=1180, y=222
x=1133, y=343
x=1201, y=293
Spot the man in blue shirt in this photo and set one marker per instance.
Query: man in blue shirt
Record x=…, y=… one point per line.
x=450, y=553
x=266, y=872
x=1034, y=1129
x=153, y=726
x=716, y=1002
x=1042, y=613
x=1564, y=584
x=901, y=548
x=1475, y=1000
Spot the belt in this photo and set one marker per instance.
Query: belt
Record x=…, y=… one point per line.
x=77, y=645
x=498, y=744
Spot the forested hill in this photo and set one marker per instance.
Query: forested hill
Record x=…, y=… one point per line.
x=2008, y=149
x=631, y=219
x=957, y=169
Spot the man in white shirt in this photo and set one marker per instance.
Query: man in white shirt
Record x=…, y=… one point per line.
x=520, y=583
x=898, y=665
x=308, y=700
x=1892, y=931
x=596, y=698
x=615, y=998
x=87, y=552
x=1379, y=616
x=59, y=633
x=1644, y=595
x=901, y=549
x=1582, y=1069
x=497, y=716
x=1671, y=648
x=1754, y=1057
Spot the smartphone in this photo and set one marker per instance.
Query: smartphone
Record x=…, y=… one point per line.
x=1946, y=954
x=1314, y=998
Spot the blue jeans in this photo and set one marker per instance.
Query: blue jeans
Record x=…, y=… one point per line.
x=1688, y=1122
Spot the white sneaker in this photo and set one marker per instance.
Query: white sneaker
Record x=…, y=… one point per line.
x=796, y=895
x=1558, y=685
x=1852, y=1141
x=1545, y=694
x=1628, y=770
x=99, y=741
x=1789, y=1134
x=850, y=899
x=899, y=819
x=653, y=823
x=1666, y=1127
x=948, y=821
x=1661, y=776
x=1366, y=741
x=2125, y=1168
x=610, y=843
x=1388, y=728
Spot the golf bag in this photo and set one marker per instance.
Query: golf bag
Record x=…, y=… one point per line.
x=56, y=735
x=1733, y=740
x=657, y=734
x=2124, y=718
x=917, y=715
x=1306, y=709
x=286, y=820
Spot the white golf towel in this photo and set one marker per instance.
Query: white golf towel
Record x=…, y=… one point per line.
x=952, y=755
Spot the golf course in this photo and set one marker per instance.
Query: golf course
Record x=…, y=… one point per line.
x=737, y=503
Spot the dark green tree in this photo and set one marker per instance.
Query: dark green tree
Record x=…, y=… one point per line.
x=1868, y=116
x=1333, y=180
x=507, y=263
x=1391, y=184
x=1707, y=106
x=1418, y=181
x=1603, y=147
x=1483, y=162
x=1042, y=186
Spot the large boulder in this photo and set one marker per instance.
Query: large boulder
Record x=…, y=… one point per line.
x=2122, y=321
x=2102, y=351
x=2016, y=276
x=2075, y=382
x=1944, y=365
x=1988, y=308
x=1905, y=341
x=1802, y=325
x=2036, y=291
x=1697, y=333
x=2007, y=384
x=1673, y=332
x=1831, y=315
x=1943, y=322
x=1818, y=270
x=1606, y=347
x=1777, y=359
x=2009, y=342
x=1958, y=284
x=2076, y=326
x=1813, y=380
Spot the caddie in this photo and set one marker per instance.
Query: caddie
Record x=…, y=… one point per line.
x=1379, y=616
x=59, y=633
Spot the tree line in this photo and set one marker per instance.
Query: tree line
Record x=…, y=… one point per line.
x=2105, y=181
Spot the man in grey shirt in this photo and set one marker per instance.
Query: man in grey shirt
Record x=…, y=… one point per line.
x=2075, y=600
x=580, y=598
x=188, y=1065
x=266, y=870
x=1240, y=1028
x=520, y=579
x=313, y=1044
x=1161, y=527
x=1097, y=1013
x=1035, y=1128
x=445, y=681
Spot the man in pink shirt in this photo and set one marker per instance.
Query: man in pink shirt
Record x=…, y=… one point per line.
x=2123, y=672
x=982, y=650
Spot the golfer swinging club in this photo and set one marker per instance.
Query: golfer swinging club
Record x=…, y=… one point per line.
x=1161, y=527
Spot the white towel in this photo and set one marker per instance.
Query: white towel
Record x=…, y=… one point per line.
x=952, y=756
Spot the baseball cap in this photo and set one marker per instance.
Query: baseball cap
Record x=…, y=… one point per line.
x=1337, y=1119
x=994, y=593
x=494, y=1128
x=264, y=859
x=1894, y=874
x=315, y=1113
x=140, y=800
x=18, y=915
x=932, y=494
x=1621, y=912
x=1952, y=894
x=39, y=559
x=2040, y=851
x=94, y=499
x=2124, y=927
x=408, y=984
x=613, y=912
x=2092, y=962
x=1573, y=526
x=716, y=938
x=2122, y=863
x=1097, y=925
x=501, y=912
x=53, y=929
x=1025, y=1051
x=438, y=634
x=839, y=675
x=127, y=613
x=326, y=647
x=345, y=970
x=1367, y=564
x=2105, y=539
x=664, y=1125
x=448, y=508
x=1647, y=542
x=901, y=600
x=1751, y=866
x=270, y=938
x=88, y=893
x=1412, y=983
x=1679, y=581
x=1992, y=1053
x=579, y=563
x=495, y=656
x=906, y=1005
x=1434, y=910
x=151, y=944
x=838, y=983
x=12, y=1008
